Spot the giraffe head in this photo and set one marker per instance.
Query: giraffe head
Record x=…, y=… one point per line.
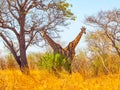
x=43, y=33
x=83, y=29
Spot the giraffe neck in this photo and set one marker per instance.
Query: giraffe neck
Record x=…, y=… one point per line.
x=72, y=45
x=77, y=39
x=70, y=49
x=49, y=40
x=56, y=47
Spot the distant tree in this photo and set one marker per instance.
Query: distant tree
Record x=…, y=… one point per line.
x=109, y=23
x=98, y=43
x=21, y=20
x=100, y=49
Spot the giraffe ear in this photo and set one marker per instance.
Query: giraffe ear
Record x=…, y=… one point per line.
x=84, y=32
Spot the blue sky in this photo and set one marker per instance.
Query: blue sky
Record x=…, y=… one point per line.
x=82, y=9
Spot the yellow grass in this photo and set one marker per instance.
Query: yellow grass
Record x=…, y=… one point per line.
x=42, y=80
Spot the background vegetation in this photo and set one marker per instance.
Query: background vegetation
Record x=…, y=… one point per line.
x=97, y=67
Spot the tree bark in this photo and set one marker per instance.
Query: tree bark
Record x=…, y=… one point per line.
x=24, y=64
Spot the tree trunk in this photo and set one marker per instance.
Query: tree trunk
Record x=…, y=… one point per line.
x=24, y=64
x=118, y=50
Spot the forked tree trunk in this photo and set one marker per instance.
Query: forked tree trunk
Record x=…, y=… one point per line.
x=22, y=62
x=23, y=65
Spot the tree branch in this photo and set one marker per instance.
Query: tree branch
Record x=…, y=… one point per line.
x=12, y=29
x=9, y=8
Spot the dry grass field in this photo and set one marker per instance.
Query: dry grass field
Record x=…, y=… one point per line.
x=42, y=80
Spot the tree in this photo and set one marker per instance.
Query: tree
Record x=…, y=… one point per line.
x=102, y=57
x=100, y=49
x=98, y=43
x=109, y=23
x=21, y=21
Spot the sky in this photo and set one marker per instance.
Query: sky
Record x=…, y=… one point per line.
x=82, y=9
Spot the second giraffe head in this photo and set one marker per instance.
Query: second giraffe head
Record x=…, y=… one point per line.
x=83, y=29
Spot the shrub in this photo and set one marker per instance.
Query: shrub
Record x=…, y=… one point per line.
x=54, y=62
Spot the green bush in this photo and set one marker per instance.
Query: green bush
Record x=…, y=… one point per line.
x=54, y=62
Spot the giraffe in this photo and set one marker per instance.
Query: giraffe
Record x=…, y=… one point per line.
x=69, y=50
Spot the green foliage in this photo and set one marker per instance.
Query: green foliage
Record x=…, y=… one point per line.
x=54, y=62
x=64, y=6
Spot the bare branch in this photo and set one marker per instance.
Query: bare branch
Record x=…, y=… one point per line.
x=108, y=22
x=11, y=11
